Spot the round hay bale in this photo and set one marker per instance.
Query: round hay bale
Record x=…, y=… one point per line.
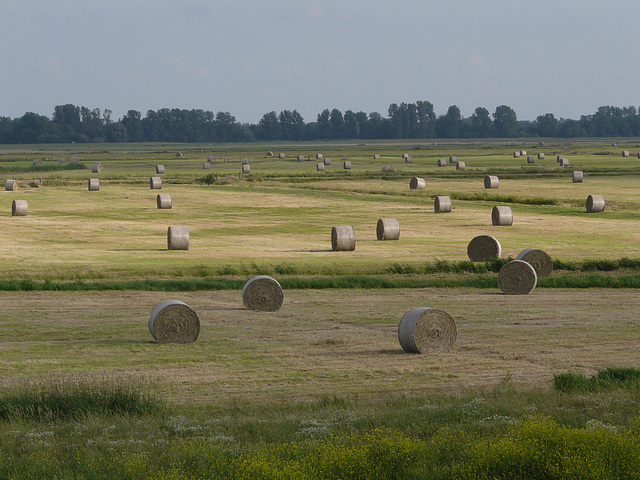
x=319, y=156
x=517, y=278
x=173, y=321
x=483, y=248
x=269, y=154
x=11, y=185
x=74, y=160
x=427, y=330
x=159, y=168
x=387, y=168
x=531, y=159
x=442, y=204
x=516, y=154
x=96, y=167
x=246, y=168
x=625, y=153
x=376, y=157
x=327, y=161
x=244, y=161
x=577, y=176
x=62, y=161
x=320, y=167
x=502, y=216
x=388, y=229
x=155, y=183
x=408, y=159
x=442, y=162
x=460, y=166
x=343, y=238
x=564, y=162
x=37, y=161
x=164, y=201
x=281, y=156
x=417, y=183
x=539, y=260
x=19, y=208
x=94, y=184
x=262, y=293
x=541, y=156
x=206, y=166
x=301, y=158
x=211, y=158
x=453, y=159
x=178, y=155
x=346, y=165
x=595, y=203
x=491, y=181
x=558, y=158
x=178, y=238
x=405, y=155
x=523, y=153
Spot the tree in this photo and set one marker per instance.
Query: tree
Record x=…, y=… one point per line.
x=481, y=124
x=337, y=123
x=132, y=121
x=269, y=127
x=546, y=125
x=505, y=122
x=426, y=118
x=324, y=124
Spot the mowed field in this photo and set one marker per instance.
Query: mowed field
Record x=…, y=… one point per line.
x=278, y=220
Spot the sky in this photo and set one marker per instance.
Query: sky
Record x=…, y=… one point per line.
x=250, y=57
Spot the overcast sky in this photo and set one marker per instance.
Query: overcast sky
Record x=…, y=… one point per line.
x=249, y=57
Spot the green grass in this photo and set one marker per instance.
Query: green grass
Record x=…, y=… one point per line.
x=604, y=380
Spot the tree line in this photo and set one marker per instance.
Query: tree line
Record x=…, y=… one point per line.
x=70, y=123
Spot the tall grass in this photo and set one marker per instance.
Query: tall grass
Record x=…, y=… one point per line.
x=604, y=380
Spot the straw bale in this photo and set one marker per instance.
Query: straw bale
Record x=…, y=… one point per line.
x=206, y=166
x=453, y=159
x=246, y=168
x=417, y=183
x=262, y=293
x=427, y=330
x=516, y=154
x=460, y=166
x=159, y=168
x=595, y=203
x=523, y=153
x=517, y=278
x=577, y=176
x=442, y=204
x=19, y=208
x=301, y=158
x=388, y=229
x=408, y=159
x=564, y=162
x=442, y=162
x=163, y=201
x=501, y=215
x=491, y=181
x=483, y=248
x=244, y=161
x=320, y=166
x=173, y=321
x=178, y=237
x=376, y=157
x=155, y=183
x=319, y=156
x=94, y=184
x=343, y=238
x=539, y=260
x=625, y=153
x=178, y=155
x=37, y=161
x=281, y=156
x=541, y=156
x=387, y=168
x=347, y=165
x=11, y=185
x=327, y=161
x=269, y=154
x=96, y=167
x=531, y=159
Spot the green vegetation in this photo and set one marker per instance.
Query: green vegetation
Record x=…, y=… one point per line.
x=604, y=380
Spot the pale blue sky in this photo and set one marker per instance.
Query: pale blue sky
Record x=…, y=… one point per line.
x=249, y=57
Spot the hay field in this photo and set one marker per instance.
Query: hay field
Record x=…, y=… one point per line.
x=329, y=342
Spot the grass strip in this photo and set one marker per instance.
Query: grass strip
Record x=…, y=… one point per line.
x=333, y=282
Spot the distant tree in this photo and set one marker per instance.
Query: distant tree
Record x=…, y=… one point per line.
x=337, y=123
x=291, y=125
x=132, y=121
x=546, y=125
x=481, y=124
x=570, y=129
x=225, y=126
x=426, y=119
x=269, y=127
x=505, y=122
x=325, y=130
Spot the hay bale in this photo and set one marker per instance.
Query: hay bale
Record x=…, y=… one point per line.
x=442, y=162
x=262, y=293
x=483, y=248
x=516, y=154
x=19, y=208
x=405, y=155
x=178, y=238
x=320, y=167
x=558, y=158
x=577, y=176
x=244, y=161
x=501, y=216
x=460, y=166
x=346, y=165
x=388, y=229
x=206, y=166
x=343, y=238
x=164, y=201
x=37, y=161
x=281, y=156
x=442, y=204
x=453, y=159
x=319, y=156
x=94, y=184
x=539, y=260
x=417, y=183
x=523, y=153
x=540, y=156
x=11, y=185
x=409, y=159
x=301, y=158
x=491, y=181
x=62, y=161
x=155, y=183
x=178, y=155
x=377, y=157
x=211, y=158
x=173, y=321
x=427, y=330
x=74, y=160
x=387, y=168
x=96, y=167
x=564, y=162
x=246, y=169
x=531, y=159
x=269, y=154
x=327, y=161
x=595, y=203
x=159, y=168
x=625, y=153
x=517, y=278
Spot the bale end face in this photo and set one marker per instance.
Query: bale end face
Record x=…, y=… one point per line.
x=173, y=321
x=94, y=184
x=483, y=248
x=178, y=238
x=343, y=238
x=262, y=293
x=388, y=229
x=427, y=330
x=346, y=165
x=517, y=278
x=539, y=260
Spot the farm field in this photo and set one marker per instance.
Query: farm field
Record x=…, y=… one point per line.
x=260, y=378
